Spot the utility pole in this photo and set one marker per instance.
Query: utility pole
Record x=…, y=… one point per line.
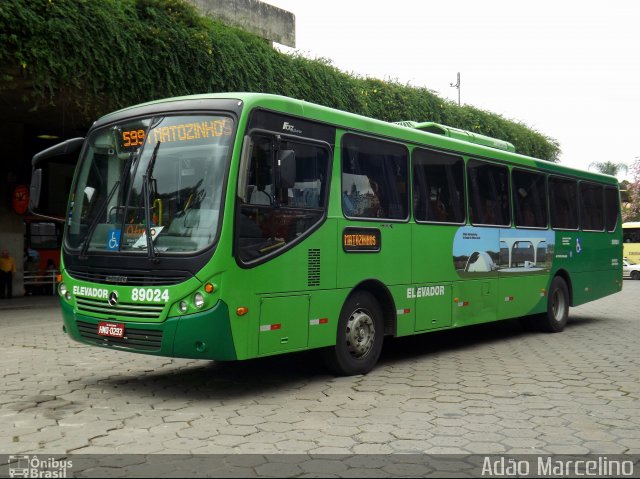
x=457, y=85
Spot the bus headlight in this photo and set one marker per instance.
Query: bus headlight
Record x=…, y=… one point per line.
x=63, y=289
x=183, y=306
x=198, y=300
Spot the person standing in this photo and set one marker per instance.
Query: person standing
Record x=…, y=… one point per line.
x=7, y=268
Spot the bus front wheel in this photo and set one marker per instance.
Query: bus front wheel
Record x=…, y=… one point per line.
x=359, y=338
x=555, y=319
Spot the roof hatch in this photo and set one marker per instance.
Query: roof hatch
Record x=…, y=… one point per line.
x=458, y=134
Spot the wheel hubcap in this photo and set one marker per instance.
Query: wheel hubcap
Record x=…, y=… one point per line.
x=360, y=334
x=558, y=305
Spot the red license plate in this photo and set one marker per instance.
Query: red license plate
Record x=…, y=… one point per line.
x=114, y=330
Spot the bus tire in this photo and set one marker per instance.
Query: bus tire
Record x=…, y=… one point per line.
x=555, y=319
x=359, y=336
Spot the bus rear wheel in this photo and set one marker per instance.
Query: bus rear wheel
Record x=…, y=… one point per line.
x=555, y=319
x=359, y=337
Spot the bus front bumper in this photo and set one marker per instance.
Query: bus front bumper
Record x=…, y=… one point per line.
x=205, y=335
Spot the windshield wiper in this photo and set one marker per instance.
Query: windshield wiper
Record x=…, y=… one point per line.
x=94, y=223
x=146, y=183
x=101, y=210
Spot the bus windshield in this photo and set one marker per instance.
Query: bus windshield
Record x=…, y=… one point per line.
x=161, y=176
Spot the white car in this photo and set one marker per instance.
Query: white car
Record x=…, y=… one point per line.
x=630, y=269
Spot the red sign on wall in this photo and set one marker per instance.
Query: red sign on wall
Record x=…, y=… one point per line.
x=20, y=199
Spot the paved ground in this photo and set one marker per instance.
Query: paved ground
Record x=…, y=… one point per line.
x=489, y=389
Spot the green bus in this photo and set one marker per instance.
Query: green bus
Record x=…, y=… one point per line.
x=236, y=226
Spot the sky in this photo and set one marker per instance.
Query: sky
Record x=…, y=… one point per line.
x=570, y=70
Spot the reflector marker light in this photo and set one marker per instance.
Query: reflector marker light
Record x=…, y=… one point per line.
x=508, y=298
x=242, y=310
x=462, y=304
x=314, y=322
x=209, y=288
x=543, y=293
x=270, y=327
x=59, y=278
x=400, y=312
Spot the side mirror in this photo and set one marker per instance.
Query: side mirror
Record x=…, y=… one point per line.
x=287, y=167
x=51, y=178
x=34, y=190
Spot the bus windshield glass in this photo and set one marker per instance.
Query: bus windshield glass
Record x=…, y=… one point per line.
x=159, y=178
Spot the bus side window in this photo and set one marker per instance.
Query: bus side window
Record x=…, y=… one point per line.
x=612, y=207
x=592, y=206
x=272, y=212
x=529, y=199
x=488, y=193
x=563, y=194
x=438, y=186
x=375, y=178
x=260, y=174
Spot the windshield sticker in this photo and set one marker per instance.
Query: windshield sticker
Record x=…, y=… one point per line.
x=142, y=241
x=113, y=241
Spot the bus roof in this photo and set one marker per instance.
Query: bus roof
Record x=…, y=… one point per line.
x=352, y=121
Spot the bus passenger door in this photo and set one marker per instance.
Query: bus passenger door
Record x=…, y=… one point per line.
x=284, y=323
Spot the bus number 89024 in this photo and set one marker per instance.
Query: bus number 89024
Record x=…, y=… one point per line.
x=151, y=295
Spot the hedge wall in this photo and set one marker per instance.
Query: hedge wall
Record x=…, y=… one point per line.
x=101, y=55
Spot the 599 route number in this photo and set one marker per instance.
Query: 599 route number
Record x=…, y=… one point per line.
x=150, y=295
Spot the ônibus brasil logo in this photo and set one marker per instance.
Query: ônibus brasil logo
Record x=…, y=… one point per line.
x=33, y=466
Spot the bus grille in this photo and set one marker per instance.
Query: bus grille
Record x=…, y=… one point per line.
x=142, y=339
x=128, y=278
x=101, y=306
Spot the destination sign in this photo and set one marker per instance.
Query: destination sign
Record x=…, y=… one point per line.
x=191, y=131
x=361, y=240
x=183, y=132
x=133, y=138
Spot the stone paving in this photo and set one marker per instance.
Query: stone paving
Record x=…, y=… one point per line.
x=494, y=388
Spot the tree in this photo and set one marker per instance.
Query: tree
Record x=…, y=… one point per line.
x=609, y=167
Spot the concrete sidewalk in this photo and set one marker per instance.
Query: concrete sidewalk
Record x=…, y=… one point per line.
x=489, y=389
x=28, y=302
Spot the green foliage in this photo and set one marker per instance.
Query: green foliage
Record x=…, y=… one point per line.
x=609, y=167
x=98, y=56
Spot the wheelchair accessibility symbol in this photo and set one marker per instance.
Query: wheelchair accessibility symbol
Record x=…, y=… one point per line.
x=578, y=246
x=113, y=241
